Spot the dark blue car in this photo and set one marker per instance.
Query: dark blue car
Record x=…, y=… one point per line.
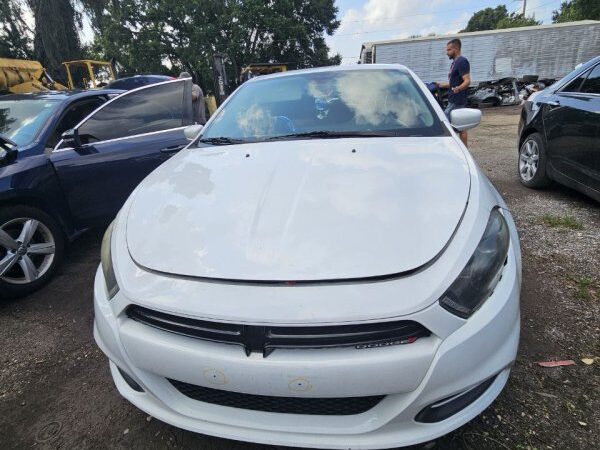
x=137, y=81
x=68, y=161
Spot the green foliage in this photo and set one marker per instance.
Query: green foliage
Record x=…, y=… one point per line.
x=486, y=19
x=568, y=222
x=573, y=10
x=517, y=20
x=15, y=35
x=498, y=18
x=150, y=35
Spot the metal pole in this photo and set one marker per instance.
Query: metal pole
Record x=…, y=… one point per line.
x=524, y=7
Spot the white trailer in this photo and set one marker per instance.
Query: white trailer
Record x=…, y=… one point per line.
x=549, y=51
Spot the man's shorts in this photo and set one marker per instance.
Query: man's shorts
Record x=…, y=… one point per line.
x=451, y=107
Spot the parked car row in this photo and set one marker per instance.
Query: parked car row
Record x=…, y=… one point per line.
x=327, y=227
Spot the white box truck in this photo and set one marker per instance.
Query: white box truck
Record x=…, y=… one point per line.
x=549, y=51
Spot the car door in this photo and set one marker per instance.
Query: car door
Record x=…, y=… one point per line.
x=571, y=121
x=121, y=143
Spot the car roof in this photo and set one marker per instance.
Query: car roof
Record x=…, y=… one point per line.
x=349, y=67
x=148, y=75
x=60, y=95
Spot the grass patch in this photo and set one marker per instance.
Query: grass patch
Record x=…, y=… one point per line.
x=568, y=222
x=584, y=288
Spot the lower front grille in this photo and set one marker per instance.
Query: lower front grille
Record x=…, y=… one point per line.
x=343, y=406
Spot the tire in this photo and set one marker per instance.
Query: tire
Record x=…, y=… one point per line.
x=531, y=166
x=32, y=247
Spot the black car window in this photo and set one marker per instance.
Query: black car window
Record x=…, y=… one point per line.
x=75, y=114
x=157, y=108
x=592, y=84
x=575, y=85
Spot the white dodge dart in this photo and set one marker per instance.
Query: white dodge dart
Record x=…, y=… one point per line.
x=323, y=266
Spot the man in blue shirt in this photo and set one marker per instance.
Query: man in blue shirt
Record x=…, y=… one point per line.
x=459, y=79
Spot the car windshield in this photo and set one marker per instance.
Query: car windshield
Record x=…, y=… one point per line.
x=22, y=120
x=382, y=102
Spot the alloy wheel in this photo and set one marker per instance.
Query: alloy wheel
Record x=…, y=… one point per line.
x=27, y=250
x=529, y=159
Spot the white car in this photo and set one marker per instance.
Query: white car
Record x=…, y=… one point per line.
x=324, y=266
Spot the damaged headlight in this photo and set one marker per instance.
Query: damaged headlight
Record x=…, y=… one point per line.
x=107, y=264
x=478, y=279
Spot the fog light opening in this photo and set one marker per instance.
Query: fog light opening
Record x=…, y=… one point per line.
x=130, y=381
x=443, y=409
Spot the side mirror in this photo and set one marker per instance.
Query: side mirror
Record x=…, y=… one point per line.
x=8, y=150
x=71, y=138
x=192, y=131
x=465, y=118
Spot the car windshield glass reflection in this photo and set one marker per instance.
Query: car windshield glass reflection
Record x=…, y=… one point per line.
x=21, y=120
x=346, y=103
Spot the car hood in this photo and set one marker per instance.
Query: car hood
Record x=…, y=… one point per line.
x=300, y=210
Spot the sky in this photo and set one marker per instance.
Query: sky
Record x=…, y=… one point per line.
x=377, y=20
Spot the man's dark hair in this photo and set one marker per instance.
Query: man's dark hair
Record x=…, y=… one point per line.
x=455, y=43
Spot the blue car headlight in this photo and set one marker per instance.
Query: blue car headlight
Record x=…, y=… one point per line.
x=107, y=264
x=480, y=276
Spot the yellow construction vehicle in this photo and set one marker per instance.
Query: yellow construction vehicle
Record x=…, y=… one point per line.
x=18, y=76
x=88, y=74
x=257, y=69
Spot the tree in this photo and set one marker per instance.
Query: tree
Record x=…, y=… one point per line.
x=56, y=37
x=15, y=35
x=497, y=18
x=517, y=20
x=486, y=19
x=571, y=11
x=170, y=35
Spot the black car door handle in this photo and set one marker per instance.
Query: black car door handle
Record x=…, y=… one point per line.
x=172, y=148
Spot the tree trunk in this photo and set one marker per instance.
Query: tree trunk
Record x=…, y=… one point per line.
x=55, y=37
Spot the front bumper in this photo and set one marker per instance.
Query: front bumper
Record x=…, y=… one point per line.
x=410, y=376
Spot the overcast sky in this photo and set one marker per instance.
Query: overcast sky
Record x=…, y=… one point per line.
x=376, y=20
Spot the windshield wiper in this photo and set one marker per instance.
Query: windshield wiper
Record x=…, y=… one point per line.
x=221, y=140
x=332, y=134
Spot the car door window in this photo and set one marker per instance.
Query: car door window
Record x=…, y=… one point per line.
x=74, y=114
x=157, y=108
x=592, y=83
x=575, y=85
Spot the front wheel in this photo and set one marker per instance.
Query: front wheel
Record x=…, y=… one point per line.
x=532, y=162
x=31, y=248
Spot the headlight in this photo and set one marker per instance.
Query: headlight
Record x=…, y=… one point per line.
x=483, y=271
x=107, y=265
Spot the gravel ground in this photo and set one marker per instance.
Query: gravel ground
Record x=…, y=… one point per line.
x=56, y=391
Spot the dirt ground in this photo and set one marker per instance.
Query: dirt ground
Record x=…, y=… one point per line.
x=56, y=391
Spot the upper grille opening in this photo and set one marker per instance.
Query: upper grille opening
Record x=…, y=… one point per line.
x=265, y=339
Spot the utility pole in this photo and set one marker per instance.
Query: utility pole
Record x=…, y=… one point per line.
x=524, y=7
